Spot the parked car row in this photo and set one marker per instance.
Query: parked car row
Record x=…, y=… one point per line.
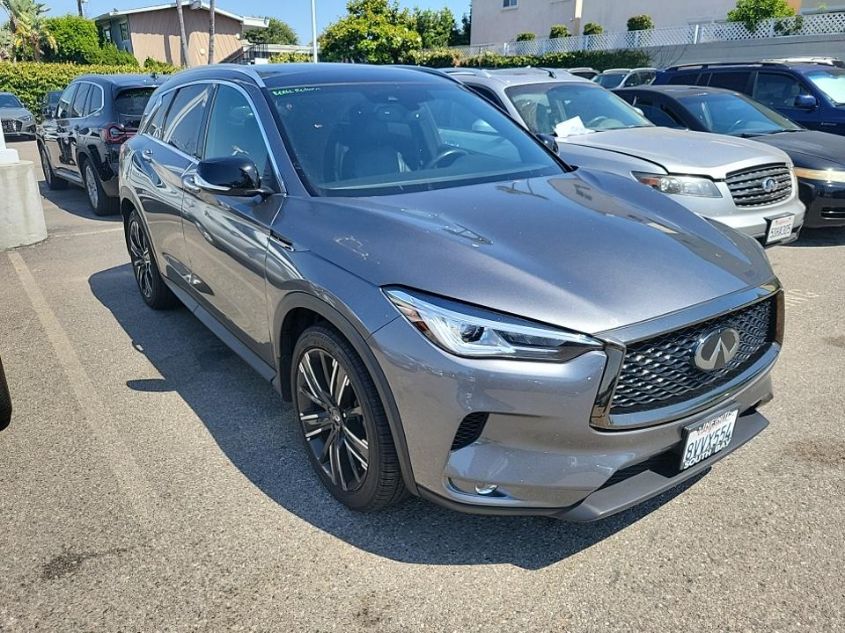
x=453, y=309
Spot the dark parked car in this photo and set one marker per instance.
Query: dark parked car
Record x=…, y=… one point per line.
x=819, y=157
x=49, y=103
x=5, y=400
x=452, y=309
x=809, y=93
x=15, y=119
x=81, y=143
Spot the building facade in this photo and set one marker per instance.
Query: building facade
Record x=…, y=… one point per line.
x=154, y=32
x=496, y=21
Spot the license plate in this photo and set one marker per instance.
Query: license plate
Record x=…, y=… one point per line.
x=780, y=228
x=707, y=438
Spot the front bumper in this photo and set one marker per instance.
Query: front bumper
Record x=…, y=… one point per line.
x=16, y=127
x=825, y=202
x=538, y=447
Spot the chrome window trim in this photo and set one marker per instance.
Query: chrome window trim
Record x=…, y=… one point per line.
x=209, y=82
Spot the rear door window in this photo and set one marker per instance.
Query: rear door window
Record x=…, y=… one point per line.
x=130, y=103
x=184, y=124
x=95, y=99
x=683, y=79
x=733, y=80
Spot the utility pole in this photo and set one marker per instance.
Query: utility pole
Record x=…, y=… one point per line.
x=79, y=8
x=314, y=30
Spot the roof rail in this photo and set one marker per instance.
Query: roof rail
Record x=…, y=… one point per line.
x=462, y=70
x=440, y=72
x=723, y=64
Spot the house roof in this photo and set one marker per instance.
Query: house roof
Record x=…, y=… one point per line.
x=249, y=22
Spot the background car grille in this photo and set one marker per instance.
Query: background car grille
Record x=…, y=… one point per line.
x=747, y=186
x=10, y=125
x=659, y=371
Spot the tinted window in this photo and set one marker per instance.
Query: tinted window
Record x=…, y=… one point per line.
x=731, y=114
x=659, y=116
x=95, y=99
x=233, y=130
x=731, y=80
x=9, y=101
x=63, y=109
x=487, y=94
x=155, y=127
x=380, y=139
x=610, y=80
x=777, y=90
x=544, y=106
x=77, y=109
x=130, y=104
x=184, y=119
x=683, y=79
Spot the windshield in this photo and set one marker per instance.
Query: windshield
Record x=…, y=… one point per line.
x=610, y=80
x=545, y=106
x=9, y=101
x=831, y=82
x=732, y=114
x=380, y=139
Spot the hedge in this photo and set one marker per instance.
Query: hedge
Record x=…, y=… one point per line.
x=600, y=60
x=30, y=81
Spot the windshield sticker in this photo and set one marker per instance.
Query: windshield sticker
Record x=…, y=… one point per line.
x=282, y=92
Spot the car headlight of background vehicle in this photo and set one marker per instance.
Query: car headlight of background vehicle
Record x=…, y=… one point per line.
x=823, y=175
x=680, y=185
x=477, y=333
x=26, y=118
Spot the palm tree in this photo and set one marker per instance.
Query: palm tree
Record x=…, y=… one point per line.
x=28, y=27
x=183, y=39
x=212, y=8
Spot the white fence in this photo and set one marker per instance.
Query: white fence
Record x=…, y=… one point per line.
x=817, y=24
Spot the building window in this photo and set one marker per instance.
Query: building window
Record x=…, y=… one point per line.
x=509, y=4
x=124, y=31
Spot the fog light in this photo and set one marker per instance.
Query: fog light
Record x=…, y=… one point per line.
x=483, y=489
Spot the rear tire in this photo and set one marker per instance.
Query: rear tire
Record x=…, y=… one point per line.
x=154, y=291
x=344, y=427
x=54, y=183
x=97, y=198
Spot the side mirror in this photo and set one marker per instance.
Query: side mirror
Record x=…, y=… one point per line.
x=806, y=102
x=231, y=176
x=549, y=141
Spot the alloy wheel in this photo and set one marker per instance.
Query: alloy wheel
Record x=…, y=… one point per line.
x=332, y=419
x=142, y=265
x=91, y=185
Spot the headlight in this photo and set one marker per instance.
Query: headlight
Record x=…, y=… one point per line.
x=824, y=175
x=26, y=118
x=477, y=333
x=680, y=185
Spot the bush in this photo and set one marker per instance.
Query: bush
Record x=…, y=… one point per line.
x=559, y=30
x=162, y=68
x=109, y=55
x=76, y=38
x=30, y=81
x=437, y=58
x=640, y=23
x=591, y=28
x=291, y=58
x=600, y=60
x=525, y=37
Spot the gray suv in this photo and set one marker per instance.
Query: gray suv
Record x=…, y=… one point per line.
x=741, y=183
x=452, y=310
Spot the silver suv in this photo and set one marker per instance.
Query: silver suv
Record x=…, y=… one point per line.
x=749, y=186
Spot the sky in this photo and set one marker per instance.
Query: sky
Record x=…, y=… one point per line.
x=297, y=13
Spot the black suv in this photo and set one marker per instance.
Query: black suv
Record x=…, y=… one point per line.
x=81, y=142
x=810, y=93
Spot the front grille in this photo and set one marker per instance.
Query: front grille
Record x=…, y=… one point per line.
x=10, y=125
x=748, y=187
x=659, y=372
x=470, y=430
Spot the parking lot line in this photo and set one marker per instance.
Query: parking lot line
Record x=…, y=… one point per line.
x=129, y=476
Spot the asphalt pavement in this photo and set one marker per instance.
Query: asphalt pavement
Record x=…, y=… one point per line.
x=151, y=481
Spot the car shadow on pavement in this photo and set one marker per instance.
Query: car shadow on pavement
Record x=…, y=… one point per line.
x=258, y=433
x=73, y=200
x=819, y=237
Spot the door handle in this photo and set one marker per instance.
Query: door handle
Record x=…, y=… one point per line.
x=190, y=183
x=147, y=154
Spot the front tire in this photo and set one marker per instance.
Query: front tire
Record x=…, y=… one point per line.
x=344, y=426
x=54, y=183
x=154, y=291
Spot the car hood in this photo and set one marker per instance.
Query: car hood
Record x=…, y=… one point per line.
x=13, y=113
x=590, y=251
x=682, y=151
x=809, y=148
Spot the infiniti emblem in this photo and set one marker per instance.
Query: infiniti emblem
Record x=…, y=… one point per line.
x=769, y=185
x=716, y=349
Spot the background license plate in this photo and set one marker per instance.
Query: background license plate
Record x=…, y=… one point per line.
x=707, y=438
x=780, y=228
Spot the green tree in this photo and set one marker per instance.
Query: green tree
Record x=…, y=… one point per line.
x=559, y=30
x=525, y=37
x=591, y=28
x=752, y=12
x=30, y=37
x=277, y=32
x=434, y=27
x=6, y=44
x=76, y=39
x=461, y=36
x=373, y=31
x=640, y=23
